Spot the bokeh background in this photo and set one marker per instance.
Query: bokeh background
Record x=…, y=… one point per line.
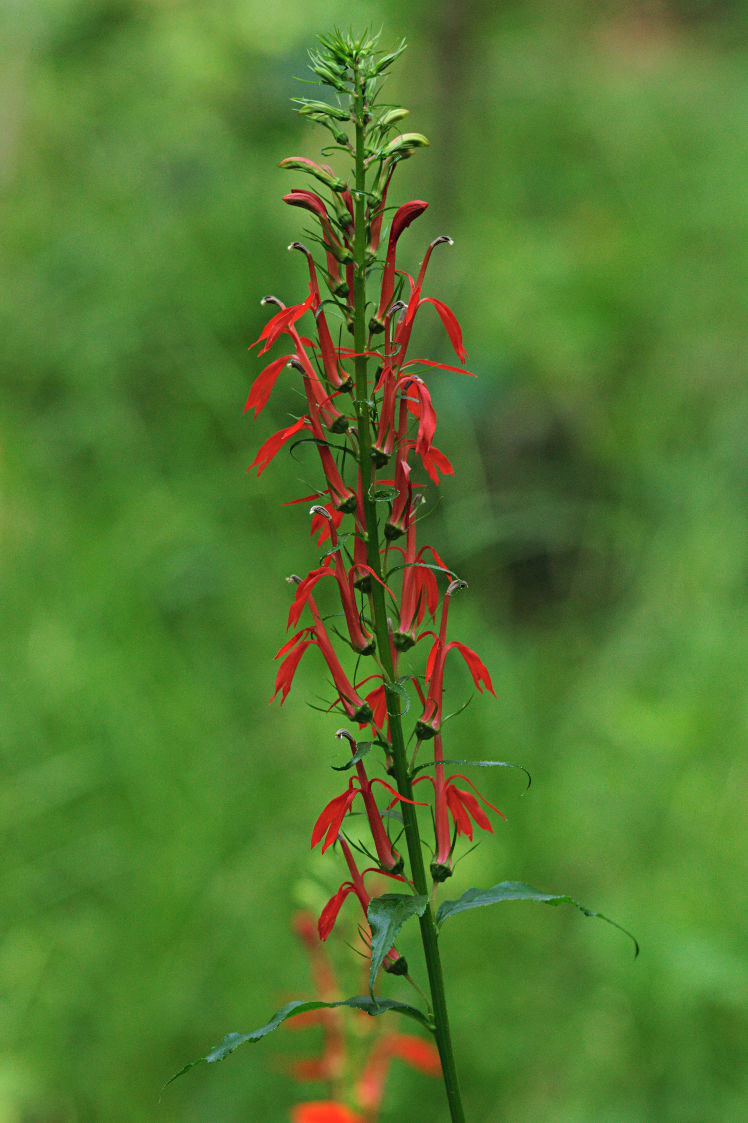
x=590, y=161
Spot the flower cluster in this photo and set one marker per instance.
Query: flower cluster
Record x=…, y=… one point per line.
x=356, y=1052
x=376, y=448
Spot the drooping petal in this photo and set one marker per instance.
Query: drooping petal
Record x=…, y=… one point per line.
x=478, y=669
x=274, y=444
x=287, y=670
x=281, y=322
x=329, y=913
x=331, y=819
x=473, y=808
x=449, y=320
x=434, y=462
x=263, y=384
x=431, y=363
x=459, y=814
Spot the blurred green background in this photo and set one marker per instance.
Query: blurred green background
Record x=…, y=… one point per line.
x=590, y=161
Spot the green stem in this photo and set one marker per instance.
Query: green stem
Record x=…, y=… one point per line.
x=379, y=614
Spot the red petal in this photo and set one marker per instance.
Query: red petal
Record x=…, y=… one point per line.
x=263, y=384
x=459, y=814
x=478, y=669
x=324, y=1111
x=449, y=320
x=432, y=459
x=332, y=816
x=287, y=670
x=471, y=805
x=329, y=913
x=431, y=363
x=404, y=215
x=419, y=1053
x=274, y=444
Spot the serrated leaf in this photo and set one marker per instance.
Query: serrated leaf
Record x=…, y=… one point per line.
x=383, y=493
x=386, y=916
x=362, y=748
x=477, y=764
x=367, y=1003
x=399, y=689
x=518, y=891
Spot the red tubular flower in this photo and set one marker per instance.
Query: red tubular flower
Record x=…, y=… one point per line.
x=423, y=410
x=343, y=497
x=274, y=444
x=404, y=215
x=281, y=321
x=420, y=589
x=329, y=914
x=355, y=707
x=331, y=820
x=361, y=640
x=324, y=1111
x=462, y=805
x=420, y=1054
x=430, y=723
x=334, y=249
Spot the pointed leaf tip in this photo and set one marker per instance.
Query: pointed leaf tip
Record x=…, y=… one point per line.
x=386, y=916
x=518, y=891
x=364, y=1002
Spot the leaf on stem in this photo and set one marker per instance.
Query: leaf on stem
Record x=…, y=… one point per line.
x=362, y=748
x=518, y=891
x=365, y=1002
x=477, y=764
x=386, y=916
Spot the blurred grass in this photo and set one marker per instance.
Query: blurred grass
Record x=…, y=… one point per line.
x=591, y=165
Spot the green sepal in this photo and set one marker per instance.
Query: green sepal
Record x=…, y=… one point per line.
x=362, y=748
x=403, y=145
x=386, y=916
x=311, y=108
x=518, y=891
x=477, y=764
x=365, y=1002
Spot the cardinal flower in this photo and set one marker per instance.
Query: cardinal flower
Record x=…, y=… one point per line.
x=355, y=707
x=430, y=722
x=462, y=805
x=331, y=819
x=393, y=961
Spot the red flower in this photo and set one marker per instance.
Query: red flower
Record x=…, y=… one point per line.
x=460, y=804
x=430, y=722
x=281, y=321
x=274, y=444
x=404, y=215
x=331, y=819
x=420, y=1054
x=329, y=913
x=324, y=1111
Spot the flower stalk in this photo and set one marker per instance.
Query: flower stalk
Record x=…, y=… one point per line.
x=374, y=437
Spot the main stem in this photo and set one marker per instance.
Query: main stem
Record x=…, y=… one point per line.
x=400, y=768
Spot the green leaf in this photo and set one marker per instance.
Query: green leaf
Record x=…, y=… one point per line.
x=362, y=748
x=386, y=916
x=383, y=493
x=365, y=1002
x=399, y=689
x=517, y=891
x=478, y=764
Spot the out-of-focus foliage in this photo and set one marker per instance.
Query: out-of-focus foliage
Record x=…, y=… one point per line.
x=590, y=162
